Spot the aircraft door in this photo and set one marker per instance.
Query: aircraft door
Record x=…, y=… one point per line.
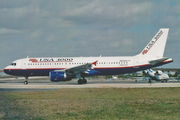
x=136, y=63
x=23, y=64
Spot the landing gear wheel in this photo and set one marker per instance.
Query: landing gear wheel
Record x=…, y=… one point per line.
x=80, y=81
x=84, y=81
x=25, y=82
x=149, y=81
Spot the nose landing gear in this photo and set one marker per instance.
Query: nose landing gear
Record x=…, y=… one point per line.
x=26, y=82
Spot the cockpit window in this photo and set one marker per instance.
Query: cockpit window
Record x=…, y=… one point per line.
x=13, y=64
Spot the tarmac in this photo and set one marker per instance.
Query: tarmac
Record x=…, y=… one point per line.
x=44, y=84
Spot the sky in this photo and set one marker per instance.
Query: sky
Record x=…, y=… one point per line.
x=75, y=28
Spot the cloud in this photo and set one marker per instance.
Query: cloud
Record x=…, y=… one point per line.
x=36, y=34
x=9, y=31
x=97, y=12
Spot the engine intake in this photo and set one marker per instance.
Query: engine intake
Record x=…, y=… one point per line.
x=159, y=72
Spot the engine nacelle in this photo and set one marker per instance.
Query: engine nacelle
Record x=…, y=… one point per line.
x=159, y=72
x=56, y=76
x=145, y=72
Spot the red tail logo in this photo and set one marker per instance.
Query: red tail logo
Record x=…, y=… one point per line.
x=152, y=42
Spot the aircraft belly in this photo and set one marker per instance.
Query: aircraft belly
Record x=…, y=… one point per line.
x=124, y=70
x=32, y=72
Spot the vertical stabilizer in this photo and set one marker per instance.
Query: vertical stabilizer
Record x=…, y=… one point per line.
x=157, y=45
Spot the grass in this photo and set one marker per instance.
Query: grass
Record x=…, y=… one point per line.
x=87, y=104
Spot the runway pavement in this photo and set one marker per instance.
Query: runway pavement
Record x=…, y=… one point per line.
x=44, y=84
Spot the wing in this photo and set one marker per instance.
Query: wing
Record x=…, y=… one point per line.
x=79, y=69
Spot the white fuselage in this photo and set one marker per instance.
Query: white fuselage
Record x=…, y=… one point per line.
x=105, y=65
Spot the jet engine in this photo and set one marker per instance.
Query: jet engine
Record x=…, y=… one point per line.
x=56, y=76
x=159, y=72
x=145, y=72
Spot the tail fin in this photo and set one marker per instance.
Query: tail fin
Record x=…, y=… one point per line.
x=157, y=45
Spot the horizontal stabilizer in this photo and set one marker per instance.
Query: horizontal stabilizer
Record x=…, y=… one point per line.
x=158, y=61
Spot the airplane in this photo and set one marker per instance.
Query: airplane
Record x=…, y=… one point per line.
x=156, y=75
x=114, y=77
x=68, y=68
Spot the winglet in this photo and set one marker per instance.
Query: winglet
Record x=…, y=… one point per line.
x=95, y=63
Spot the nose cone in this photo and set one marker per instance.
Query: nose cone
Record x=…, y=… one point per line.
x=7, y=70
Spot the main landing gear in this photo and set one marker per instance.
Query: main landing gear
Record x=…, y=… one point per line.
x=82, y=81
x=26, y=82
x=149, y=81
x=163, y=81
